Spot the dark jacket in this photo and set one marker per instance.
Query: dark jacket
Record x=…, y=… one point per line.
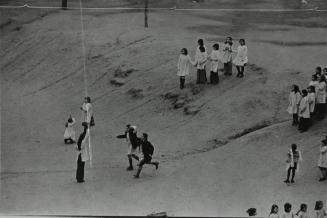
x=147, y=149
x=132, y=135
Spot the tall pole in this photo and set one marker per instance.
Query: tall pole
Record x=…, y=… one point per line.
x=146, y=14
x=64, y=4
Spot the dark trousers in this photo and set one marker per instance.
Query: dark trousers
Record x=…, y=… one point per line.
x=291, y=170
x=240, y=71
x=320, y=111
x=182, y=82
x=304, y=124
x=80, y=169
x=295, y=119
x=228, y=68
x=214, y=77
x=201, y=76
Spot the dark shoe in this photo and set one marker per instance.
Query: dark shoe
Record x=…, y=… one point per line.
x=157, y=165
x=129, y=168
x=81, y=181
x=136, y=176
x=322, y=179
x=292, y=181
x=287, y=181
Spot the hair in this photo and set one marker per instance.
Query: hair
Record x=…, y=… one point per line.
x=242, y=40
x=294, y=147
x=216, y=46
x=200, y=42
x=322, y=79
x=314, y=76
x=318, y=69
x=312, y=88
x=145, y=135
x=324, y=141
x=70, y=119
x=325, y=69
x=296, y=88
x=319, y=205
x=88, y=99
x=273, y=208
x=202, y=49
x=185, y=51
x=288, y=206
x=304, y=92
x=251, y=211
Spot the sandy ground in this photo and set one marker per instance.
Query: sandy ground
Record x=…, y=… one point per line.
x=205, y=168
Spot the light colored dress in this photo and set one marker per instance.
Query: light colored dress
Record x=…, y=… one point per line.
x=312, y=101
x=226, y=53
x=294, y=102
x=321, y=93
x=183, y=65
x=70, y=130
x=273, y=215
x=88, y=112
x=288, y=215
x=214, y=57
x=304, y=108
x=242, y=56
x=85, y=152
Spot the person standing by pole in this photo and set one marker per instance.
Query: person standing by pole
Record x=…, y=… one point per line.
x=82, y=153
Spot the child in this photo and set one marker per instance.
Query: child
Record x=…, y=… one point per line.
x=69, y=135
x=312, y=99
x=252, y=211
x=274, y=211
x=183, y=67
x=87, y=108
x=304, y=112
x=214, y=58
x=227, y=56
x=318, y=71
x=322, y=161
x=200, y=44
x=200, y=63
x=321, y=97
x=241, y=58
x=320, y=212
x=293, y=158
x=302, y=213
x=294, y=102
x=288, y=211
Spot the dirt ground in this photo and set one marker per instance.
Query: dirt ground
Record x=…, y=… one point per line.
x=208, y=167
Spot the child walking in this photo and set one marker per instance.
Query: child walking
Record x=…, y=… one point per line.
x=214, y=58
x=183, y=67
x=241, y=58
x=293, y=158
x=200, y=63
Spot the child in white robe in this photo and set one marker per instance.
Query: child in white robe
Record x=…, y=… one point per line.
x=69, y=135
x=214, y=58
x=183, y=67
x=241, y=58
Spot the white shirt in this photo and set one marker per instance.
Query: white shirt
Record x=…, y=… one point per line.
x=183, y=65
x=214, y=57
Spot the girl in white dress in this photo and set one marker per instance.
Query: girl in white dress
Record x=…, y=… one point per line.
x=214, y=58
x=302, y=213
x=294, y=102
x=183, y=67
x=241, y=58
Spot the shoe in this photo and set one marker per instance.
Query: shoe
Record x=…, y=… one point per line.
x=287, y=181
x=81, y=181
x=136, y=176
x=157, y=165
x=322, y=179
x=129, y=168
x=292, y=181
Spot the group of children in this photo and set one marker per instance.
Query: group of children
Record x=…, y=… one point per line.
x=201, y=58
x=309, y=103
x=138, y=148
x=319, y=211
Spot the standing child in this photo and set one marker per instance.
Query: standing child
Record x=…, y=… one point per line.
x=183, y=67
x=241, y=58
x=321, y=97
x=227, y=56
x=287, y=211
x=320, y=212
x=69, y=135
x=274, y=211
x=294, y=102
x=318, y=71
x=87, y=108
x=322, y=161
x=214, y=58
x=302, y=213
x=304, y=112
x=200, y=63
x=312, y=100
x=200, y=44
x=82, y=153
x=293, y=158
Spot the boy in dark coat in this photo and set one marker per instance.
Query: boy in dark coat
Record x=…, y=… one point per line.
x=147, y=151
